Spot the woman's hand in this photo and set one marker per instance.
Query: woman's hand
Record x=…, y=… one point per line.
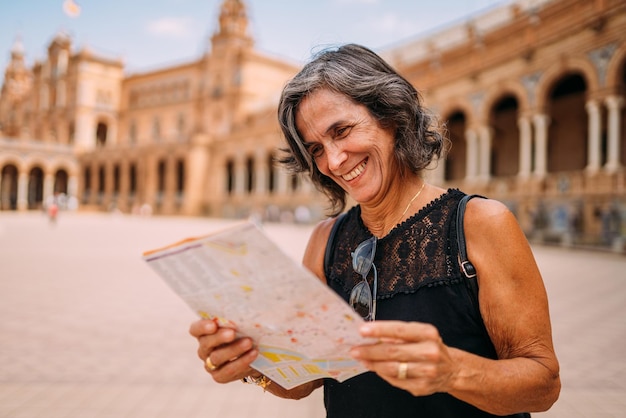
x=229, y=357
x=409, y=355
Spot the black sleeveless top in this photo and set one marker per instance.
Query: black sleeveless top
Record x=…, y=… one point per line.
x=419, y=279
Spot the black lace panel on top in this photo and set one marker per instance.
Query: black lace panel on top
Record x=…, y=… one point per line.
x=415, y=253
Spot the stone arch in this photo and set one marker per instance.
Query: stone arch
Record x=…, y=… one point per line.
x=38, y=160
x=555, y=74
x=9, y=178
x=12, y=158
x=508, y=88
x=457, y=106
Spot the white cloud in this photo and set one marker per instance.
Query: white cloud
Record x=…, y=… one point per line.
x=179, y=27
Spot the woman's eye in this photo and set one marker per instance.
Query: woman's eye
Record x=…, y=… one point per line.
x=342, y=132
x=316, y=150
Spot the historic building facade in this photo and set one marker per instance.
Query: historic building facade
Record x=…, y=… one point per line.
x=531, y=94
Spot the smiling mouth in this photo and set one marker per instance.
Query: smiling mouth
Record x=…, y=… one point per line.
x=356, y=172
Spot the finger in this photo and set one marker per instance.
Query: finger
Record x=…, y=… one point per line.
x=209, y=342
x=425, y=351
x=235, y=369
x=225, y=353
x=399, y=330
x=202, y=327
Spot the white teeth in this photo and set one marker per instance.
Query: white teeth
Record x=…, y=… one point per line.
x=355, y=173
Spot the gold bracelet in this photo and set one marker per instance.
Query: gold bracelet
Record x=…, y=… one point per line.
x=262, y=381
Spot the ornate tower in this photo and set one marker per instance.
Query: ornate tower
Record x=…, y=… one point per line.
x=15, y=89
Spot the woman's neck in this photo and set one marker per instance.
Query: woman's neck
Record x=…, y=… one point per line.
x=397, y=205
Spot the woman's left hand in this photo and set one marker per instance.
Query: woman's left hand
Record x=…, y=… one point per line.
x=408, y=355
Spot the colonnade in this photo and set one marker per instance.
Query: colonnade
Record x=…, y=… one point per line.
x=533, y=142
x=26, y=184
x=257, y=174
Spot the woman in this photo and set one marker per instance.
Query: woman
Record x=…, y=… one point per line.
x=359, y=130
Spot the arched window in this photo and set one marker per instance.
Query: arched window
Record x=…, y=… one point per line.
x=101, y=183
x=116, y=179
x=250, y=175
x=456, y=156
x=60, y=181
x=87, y=184
x=35, y=188
x=295, y=181
x=161, y=176
x=180, y=176
x=8, y=188
x=505, y=144
x=567, y=144
x=101, y=135
x=230, y=177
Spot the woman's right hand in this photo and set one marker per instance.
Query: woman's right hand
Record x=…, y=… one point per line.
x=229, y=357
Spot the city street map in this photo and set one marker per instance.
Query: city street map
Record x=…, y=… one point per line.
x=241, y=279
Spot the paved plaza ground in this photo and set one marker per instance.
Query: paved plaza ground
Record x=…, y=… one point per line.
x=87, y=330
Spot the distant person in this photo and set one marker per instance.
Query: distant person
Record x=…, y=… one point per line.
x=52, y=208
x=359, y=129
x=145, y=210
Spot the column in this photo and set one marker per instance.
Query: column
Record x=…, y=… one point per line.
x=282, y=178
x=525, y=146
x=593, y=136
x=261, y=175
x=541, y=122
x=94, y=186
x=22, y=191
x=614, y=105
x=169, y=185
x=471, y=141
x=48, y=187
x=123, y=197
x=240, y=175
x=306, y=186
x=72, y=191
x=485, y=139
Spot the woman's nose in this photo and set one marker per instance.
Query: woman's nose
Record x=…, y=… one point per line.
x=335, y=157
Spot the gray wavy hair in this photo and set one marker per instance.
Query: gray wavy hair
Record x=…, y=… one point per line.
x=364, y=77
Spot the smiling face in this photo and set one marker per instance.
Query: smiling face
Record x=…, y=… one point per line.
x=348, y=144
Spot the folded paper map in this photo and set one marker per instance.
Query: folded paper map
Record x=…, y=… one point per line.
x=240, y=278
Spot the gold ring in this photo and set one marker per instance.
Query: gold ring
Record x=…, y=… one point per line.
x=209, y=365
x=403, y=368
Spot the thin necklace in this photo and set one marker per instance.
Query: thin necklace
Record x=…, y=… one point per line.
x=409, y=205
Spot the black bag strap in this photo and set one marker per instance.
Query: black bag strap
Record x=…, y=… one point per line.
x=330, y=244
x=468, y=269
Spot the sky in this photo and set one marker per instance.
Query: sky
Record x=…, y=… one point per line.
x=152, y=34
